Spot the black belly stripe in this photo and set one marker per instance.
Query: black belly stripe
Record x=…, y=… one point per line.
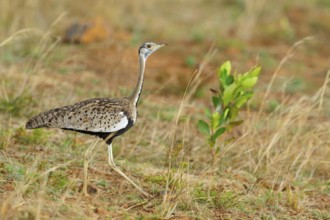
x=104, y=135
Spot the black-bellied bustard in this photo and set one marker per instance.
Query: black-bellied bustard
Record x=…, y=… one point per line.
x=106, y=118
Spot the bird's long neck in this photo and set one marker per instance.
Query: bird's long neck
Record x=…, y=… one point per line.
x=137, y=91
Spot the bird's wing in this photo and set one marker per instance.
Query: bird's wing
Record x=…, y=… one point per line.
x=94, y=115
x=110, y=122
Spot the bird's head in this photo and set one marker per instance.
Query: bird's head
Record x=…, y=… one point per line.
x=148, y=48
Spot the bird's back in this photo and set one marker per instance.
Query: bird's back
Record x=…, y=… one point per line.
x=93, y=116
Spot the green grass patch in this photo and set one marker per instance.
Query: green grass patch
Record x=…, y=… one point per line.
x=215, y=197
x=57, y=182
x=15, y=106
x=14, y=171
x=33, y=137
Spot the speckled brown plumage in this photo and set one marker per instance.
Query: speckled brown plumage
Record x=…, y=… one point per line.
x=99, y=116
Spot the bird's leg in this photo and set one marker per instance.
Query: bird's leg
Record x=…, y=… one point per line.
x=113, y=166
x=86, y=162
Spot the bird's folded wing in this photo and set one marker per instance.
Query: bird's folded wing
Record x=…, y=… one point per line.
x=107, y=122
x=96, y=115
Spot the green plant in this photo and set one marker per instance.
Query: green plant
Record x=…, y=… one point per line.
x=234, y=91
x=15, y=105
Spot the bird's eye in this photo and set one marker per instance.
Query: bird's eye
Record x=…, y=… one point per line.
x=148, y=45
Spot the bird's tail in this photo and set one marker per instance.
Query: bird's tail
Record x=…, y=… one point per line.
x=38, y=121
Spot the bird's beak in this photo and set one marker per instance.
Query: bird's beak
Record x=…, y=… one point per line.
x=159, y=46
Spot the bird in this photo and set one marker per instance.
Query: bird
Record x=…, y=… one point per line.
x=105, y=118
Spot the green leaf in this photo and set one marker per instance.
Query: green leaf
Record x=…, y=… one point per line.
x=225, y=114
x=222, y=81
x=249, y=82
x=203, y=127
x=243, y=99
x=229, y=80
x=216, y=101
x=255, y=72
x=215, y=120
x=224, y=71
x=229, y=93
x=233, y=124
x=233, y=112
x=226, y=67
x=218, y=132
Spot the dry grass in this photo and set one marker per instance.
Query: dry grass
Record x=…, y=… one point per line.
x=276, y=168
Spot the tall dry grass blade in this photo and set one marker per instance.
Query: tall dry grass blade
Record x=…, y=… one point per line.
x=287, y=56
x=87, y=159
x=193, y=84
x=18, y=33
x=323, y=90
x=171, y=211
